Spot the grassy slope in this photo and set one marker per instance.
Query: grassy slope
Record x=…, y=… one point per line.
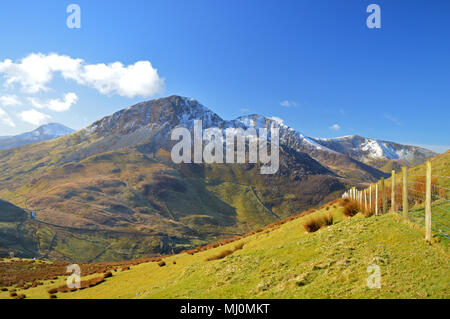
x=441, y=170
x=440, y=166
x=289, y=263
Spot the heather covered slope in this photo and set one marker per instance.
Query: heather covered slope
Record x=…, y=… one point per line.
x=284, y=261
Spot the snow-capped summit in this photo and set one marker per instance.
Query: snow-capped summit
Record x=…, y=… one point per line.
x=43, y=133
x=366, y=149
x=154, y=115
x=152, y=121
x=288, y=136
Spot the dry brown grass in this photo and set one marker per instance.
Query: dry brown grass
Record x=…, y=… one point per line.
x=52, y=291
x=29, y=273
x=221, y=255
x=226, y=252
x=351, y=208
x=315, y=223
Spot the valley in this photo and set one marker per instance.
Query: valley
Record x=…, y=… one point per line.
x=111, y=192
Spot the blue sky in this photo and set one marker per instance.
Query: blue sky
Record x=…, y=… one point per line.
x=314, y=64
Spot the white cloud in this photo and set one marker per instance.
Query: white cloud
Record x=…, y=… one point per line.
x=287, y=103
x=277, y=119
x=139, y=79
x=34, y=72
x=10, y=100
x=245, y=110
x=5, y=119
x=335, y=127
x=34, y=117
x=55, y=104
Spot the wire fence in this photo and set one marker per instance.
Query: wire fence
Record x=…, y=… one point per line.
x=422, y=199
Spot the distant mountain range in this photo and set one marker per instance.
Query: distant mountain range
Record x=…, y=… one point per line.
x=42, y=133
x=111, y=191
x=367, y=150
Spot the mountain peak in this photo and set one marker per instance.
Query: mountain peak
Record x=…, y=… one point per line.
x=167, y=112
x=53, y=129
x=42, y=133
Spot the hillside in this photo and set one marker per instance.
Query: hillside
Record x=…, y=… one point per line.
x=114, y=181
x=283, y=261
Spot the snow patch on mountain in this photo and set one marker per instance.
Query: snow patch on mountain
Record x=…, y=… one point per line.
x=366, y=149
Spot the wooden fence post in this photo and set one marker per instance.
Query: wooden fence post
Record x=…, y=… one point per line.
x=376, y=199
x=365, y=199
x=383, y=195
x=370, y=198
x=393, y=192
x=428, y=203
x=405, y=192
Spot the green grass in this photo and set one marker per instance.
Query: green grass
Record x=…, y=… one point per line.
x=440, y=202
x=287, y=262
x=440, y=218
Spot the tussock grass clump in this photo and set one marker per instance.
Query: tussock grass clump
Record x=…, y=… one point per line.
x=13, y=294
x=226, y=252
x=351, y=208
x=52, y=291
x=315, y=223
x=221, y=255
x=107, y=274
x=367, y=212
x=83, y=285
x=162, y=263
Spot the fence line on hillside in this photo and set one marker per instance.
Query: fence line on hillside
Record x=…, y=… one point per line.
x=416, y=190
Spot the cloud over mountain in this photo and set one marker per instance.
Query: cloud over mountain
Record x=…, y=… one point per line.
x=34, y=73
x=34, y=117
